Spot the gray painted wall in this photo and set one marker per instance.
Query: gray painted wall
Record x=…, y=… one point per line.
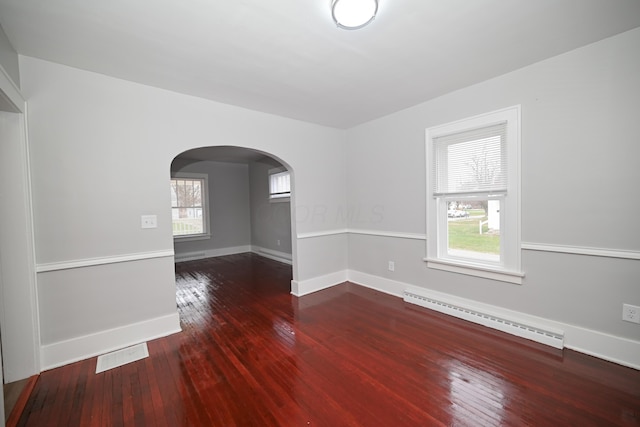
x=101, y=154
x=9, y=58
x=101, y=150
x=270, y=221
x=228, y=206
x=579, y=161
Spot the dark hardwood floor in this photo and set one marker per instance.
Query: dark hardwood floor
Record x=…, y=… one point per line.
x=250, y=354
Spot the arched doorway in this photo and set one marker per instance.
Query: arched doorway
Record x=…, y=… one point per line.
x=223, y=204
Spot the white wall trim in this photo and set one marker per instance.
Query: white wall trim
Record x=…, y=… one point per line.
x=414, y=236
x=581, y=250
x=272, y=254
x=543, y=247
x=313, y=234
x=576, y=250
x=35, y=305
x=80, y=348
x=211, y=253
x=10, y=91
x=514, y=277
x=304, y=287
x=90, y=262
x=622, y=351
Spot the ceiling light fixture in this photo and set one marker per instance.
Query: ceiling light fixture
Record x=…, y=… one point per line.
x=353, y=14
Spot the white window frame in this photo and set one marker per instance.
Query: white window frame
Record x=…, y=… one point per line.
x=509, y=267
x=284, y=197
x=206, y=213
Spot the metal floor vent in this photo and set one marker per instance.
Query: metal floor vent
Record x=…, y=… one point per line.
x=121, y=357
x=534, y=333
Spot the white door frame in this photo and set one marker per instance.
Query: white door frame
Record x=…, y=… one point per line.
x=19, y=312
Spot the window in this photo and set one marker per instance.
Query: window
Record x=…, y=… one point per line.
x=473, y=200
x=279, y=185
x=189, y=205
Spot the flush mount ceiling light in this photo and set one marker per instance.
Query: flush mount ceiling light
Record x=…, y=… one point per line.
x=353, y=14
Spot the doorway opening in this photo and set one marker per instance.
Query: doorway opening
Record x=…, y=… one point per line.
x=229, y=200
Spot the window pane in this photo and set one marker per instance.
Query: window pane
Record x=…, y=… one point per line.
x=183, y=226
x=182, y=189
x=470, y=161
x=174, y=195
x=473, y=229
x=196, y=193
x=187, y=201
x=280, y=184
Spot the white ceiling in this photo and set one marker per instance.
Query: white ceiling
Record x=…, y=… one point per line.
x=286, y=57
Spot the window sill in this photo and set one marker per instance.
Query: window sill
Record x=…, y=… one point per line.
x=476, y=270
x=189, y=238
x=279, y=199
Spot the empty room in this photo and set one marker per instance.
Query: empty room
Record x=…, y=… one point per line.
x=320, y=213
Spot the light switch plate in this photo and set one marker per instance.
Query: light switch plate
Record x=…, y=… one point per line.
x=149, y=221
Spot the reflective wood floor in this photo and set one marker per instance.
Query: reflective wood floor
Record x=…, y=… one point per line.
x=250, y=354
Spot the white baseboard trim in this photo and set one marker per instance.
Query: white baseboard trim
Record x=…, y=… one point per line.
x=608, y=347
x=81, y=348
x=614, y=349
x=381, y=284
x=304, y=287
x=211, y=253
x=271, y=254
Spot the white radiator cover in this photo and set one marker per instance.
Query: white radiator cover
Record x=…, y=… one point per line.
x=484, y=315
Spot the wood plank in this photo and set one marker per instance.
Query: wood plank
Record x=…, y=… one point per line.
x=251, y=354
x=17, y=407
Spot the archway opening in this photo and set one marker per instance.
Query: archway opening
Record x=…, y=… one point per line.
x=226, y=200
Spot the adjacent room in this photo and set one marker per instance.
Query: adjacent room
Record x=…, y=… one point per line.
x=333, y=212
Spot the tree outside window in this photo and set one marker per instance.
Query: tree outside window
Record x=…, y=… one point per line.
x=188, y=205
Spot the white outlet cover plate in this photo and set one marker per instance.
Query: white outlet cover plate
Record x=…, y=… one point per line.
x=630, y=313
x=149, y=221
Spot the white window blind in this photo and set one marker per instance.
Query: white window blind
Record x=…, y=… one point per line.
x=471, y=161
x=279, y=185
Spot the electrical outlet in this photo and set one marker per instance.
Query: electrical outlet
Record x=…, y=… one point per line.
x=630, y=313
x=392, y=266
x=278, y=242
x=149, y=221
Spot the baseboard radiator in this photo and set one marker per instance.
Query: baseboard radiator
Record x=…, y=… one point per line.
x=553, y=338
